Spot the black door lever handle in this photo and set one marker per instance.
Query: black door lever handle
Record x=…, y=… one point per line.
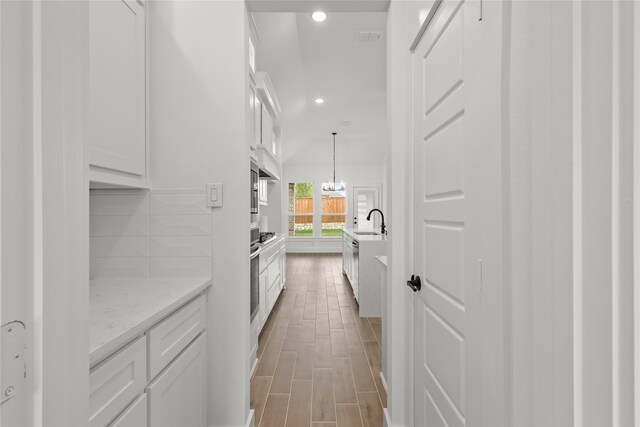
x=414, y=283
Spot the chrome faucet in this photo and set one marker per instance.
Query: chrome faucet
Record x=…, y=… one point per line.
x=383, y=228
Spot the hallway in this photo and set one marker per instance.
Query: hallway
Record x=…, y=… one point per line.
x=319, y=361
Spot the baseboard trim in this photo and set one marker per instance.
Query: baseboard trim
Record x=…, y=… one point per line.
x=386, y=421
x=315, y=250
x=384, y=382
x=251, y=419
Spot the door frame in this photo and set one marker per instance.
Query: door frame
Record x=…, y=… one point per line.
x=399, y=411
x=636, y=169
x=353, y=201
x=56, y=353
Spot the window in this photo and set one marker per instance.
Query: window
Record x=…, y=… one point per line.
x=300, y=209
x=334, y=210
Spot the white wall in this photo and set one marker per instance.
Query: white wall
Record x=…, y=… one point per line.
x=350, y=175
x=198, y=92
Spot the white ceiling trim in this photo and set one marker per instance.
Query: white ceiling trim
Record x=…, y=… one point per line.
x=302, y=6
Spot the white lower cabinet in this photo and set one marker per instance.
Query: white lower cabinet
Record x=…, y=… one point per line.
x=178, y=396
x=114, y=383
x=171, y=336
x=135, y=415
x=157, y=380
x=272, y=272
x=264, y=311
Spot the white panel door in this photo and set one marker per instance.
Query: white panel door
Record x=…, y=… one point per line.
x=458, y=349
x=117, y=86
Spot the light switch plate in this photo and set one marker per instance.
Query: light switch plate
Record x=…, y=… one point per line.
x=214, y=195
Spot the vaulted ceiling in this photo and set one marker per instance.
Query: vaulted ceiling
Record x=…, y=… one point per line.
x=306, y=60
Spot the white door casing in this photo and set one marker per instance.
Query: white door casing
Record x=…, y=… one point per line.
x=459, y=362
x=17, y=215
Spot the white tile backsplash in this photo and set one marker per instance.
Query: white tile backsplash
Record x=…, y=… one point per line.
x=158, y=233
x=180, y=267
x=180, y=225
x=119, y=247
x=119, y=225
x=129, y=202
x=119, y=267
x=180, y=246
x=178, y=204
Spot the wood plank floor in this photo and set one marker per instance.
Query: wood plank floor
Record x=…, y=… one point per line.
x=319, y=362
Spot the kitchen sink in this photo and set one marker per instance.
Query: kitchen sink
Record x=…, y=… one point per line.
x=366, y=233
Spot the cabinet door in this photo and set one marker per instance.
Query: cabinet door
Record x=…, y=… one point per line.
x=178, y=396
x=267, y=129
x=264, y=311
x=168, y=338
x=135, y=415
x=254, y=118
x=283, y=266
x=117, y=86
x=344, y=254
x=115, y=382
x=257, y=119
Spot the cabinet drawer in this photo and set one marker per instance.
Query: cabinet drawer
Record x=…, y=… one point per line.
x=135, y=415
x=272, y=255
x=273, y=295
x=116, y=381
x=170, y=337
x=273, y=273
x=178, y=397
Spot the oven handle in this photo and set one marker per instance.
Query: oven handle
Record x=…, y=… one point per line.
x=256, y=253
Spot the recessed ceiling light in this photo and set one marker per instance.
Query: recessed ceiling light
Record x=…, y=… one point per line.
x=318, y=16
x=319, y=100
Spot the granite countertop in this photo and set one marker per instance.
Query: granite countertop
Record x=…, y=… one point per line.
x=121, y=309
x=364, y=237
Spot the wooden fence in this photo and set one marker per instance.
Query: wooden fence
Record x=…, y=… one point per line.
x=330, y=205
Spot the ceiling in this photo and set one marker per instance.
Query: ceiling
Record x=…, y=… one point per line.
x=305, y=60
x=300, y=6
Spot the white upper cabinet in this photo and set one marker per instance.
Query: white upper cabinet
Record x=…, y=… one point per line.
x=116, y=133
x=270, y=126
x=267, y=130
x=254, y=118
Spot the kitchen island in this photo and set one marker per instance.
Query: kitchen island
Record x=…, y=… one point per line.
x=359, y=249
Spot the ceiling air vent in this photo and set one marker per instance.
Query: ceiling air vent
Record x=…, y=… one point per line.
x=368, y=36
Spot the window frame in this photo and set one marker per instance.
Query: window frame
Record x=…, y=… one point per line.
x=346, y=209
x=312, y=214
